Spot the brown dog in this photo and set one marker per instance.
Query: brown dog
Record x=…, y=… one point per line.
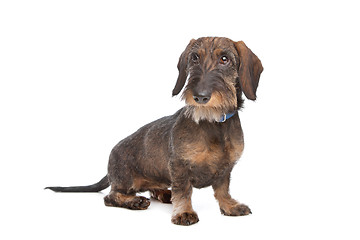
x=198, y=145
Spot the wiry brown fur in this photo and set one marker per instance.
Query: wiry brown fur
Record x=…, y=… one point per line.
x=190, y=148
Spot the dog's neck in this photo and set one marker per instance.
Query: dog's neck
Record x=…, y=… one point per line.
x=198, y=114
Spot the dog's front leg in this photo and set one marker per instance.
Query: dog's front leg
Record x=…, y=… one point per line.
x=181, y=190
x=183, y=213
x=228, y=206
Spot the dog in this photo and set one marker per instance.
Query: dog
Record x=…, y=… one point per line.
x=198, y=146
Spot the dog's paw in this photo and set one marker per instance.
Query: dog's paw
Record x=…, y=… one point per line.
x=139, y=203
x=237, y=210
x=135, y=203
x=185, y=218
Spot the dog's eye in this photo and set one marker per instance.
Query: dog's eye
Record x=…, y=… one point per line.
x=224, y=60
x=195, y=58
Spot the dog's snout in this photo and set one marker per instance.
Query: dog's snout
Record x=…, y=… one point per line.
x=202, y=99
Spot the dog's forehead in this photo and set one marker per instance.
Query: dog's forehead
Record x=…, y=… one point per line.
x=210, y=44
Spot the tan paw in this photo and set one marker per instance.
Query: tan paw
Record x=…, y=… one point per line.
x=237, y=210
x=185, y=218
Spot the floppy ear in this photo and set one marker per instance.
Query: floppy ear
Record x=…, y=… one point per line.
x=249, y=70
x=182, y=67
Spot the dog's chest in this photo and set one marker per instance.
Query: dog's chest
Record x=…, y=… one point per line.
x=206, y=151
x=209, y=160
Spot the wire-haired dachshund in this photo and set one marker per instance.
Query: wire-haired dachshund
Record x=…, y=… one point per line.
x=197, y=146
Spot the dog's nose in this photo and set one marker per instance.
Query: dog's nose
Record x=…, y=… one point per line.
x=201, y=99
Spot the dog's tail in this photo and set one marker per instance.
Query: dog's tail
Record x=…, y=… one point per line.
x=97, y=187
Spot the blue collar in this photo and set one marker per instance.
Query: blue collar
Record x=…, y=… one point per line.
x=226, y=116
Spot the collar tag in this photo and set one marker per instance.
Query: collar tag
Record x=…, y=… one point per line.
x=225, y=117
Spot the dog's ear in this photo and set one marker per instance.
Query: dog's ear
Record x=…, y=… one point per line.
x=182, y=67
x=249, y=70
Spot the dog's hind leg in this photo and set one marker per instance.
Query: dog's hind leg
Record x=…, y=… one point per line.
x=130, y=201
x=163, y=195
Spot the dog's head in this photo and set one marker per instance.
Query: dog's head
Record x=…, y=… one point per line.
x=217, y=71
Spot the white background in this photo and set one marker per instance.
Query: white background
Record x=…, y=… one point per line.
x=78, y=76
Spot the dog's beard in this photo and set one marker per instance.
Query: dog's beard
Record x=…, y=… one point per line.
x=198, y=113
x=211, y=111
